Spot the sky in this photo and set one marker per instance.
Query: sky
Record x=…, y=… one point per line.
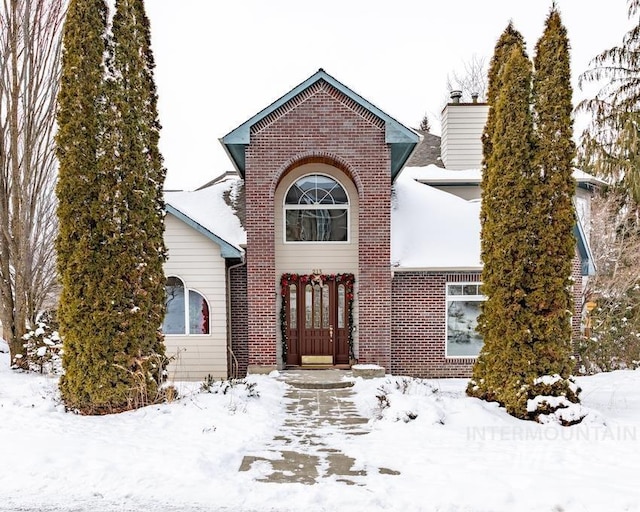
x=218, y=63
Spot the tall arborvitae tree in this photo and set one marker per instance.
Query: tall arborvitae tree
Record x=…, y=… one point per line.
x=137, y=245
x=527, y=219
x=110, y=213
x=80, y=207
x=506, y=230
x=552, y=209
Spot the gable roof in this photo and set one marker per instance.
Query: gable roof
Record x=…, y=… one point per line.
x=402, y=140
x=211, y=212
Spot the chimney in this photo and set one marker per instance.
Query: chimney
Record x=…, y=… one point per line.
x=462, y=127
x=455, y=96
x=474, y=97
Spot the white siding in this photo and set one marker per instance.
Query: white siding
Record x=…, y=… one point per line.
x=304, y=258
x=461, y=143
x=197, y=261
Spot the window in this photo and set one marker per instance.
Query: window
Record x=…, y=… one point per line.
x=185, y=308
x=463, y=308
x=316, y=209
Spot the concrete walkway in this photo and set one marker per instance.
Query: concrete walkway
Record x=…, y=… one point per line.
x=319, y=409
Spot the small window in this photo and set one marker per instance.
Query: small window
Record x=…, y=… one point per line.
x=316, y=209
x=463, y=308
x=185, y=308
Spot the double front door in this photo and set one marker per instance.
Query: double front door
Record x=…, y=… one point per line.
x=316, y=312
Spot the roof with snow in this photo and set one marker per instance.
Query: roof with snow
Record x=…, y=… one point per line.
x=401, y=140
x=211, y=211
x=432, y=229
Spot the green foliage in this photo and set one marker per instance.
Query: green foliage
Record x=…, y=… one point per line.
x=213, y=386
x=110, y=211
x=527, y=218
x=609, y=146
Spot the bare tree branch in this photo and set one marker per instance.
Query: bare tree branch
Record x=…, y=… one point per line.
x=30, y=46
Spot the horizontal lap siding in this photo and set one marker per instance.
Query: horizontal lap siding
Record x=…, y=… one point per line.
x=418, y=330
x=196, y=260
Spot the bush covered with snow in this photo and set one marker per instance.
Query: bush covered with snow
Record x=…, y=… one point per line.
x=42, y=350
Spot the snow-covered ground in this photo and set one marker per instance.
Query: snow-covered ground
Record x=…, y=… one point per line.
x=457, y=454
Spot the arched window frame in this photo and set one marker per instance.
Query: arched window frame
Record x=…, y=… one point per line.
x=297, y=206
x=187, y=300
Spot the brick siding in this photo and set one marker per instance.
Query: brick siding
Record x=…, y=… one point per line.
x=320, y=125
x=238, y=321
x=418, y=325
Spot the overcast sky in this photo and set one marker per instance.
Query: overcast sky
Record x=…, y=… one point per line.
x=221, y=62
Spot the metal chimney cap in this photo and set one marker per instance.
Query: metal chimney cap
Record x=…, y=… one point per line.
x=455, y=96
x=474, y=97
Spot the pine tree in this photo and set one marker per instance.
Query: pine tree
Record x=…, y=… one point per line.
x=609, y=146
x=113, y=285
x=425, y=125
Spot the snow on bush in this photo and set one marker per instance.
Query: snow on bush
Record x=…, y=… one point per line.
x=396, y=401
x=42, y=350
x=555, y=400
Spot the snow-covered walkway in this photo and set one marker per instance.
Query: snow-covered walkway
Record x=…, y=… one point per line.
x=452, y=453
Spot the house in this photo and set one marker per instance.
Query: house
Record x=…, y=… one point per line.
x=344, y=237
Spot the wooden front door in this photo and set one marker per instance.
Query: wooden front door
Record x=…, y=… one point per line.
x=316, y=316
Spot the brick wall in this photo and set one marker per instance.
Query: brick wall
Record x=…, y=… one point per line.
x=576, y=321
x=238, y=322
x=320, y=125
x=418, y=325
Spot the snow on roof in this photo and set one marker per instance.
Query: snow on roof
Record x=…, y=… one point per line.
x=207, y=207
x=437, y=175
x=432, y=229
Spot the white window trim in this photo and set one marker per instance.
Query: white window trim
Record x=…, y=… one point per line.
x=454, y=298
x=286, y=207
x=186, y=310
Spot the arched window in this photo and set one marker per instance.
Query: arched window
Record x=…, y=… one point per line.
x=316, y=210
x=185, y=308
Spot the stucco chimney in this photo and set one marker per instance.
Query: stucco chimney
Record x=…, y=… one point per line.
x=462, y=127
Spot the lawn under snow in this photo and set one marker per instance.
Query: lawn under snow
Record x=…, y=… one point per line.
x=458, y=454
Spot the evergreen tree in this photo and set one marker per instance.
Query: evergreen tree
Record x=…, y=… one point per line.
x=80, y=210
x=425, y=125
x=552, y=207
x=112, y=303
x=527, y=219
x=609, y=146
x=506, y=231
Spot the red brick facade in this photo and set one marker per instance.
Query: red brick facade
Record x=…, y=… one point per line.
x=239, y=357
x=419, y=323
x=320, y=125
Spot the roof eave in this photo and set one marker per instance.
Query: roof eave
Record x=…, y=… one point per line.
x=227, y=250
x=402, y=140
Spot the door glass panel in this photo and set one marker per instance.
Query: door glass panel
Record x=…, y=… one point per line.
x=308, y=307
x=316, y=306
x=293, y=306
x=341, y=308
x=325, y=306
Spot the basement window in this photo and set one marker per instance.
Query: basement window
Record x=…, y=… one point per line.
x=463, y=309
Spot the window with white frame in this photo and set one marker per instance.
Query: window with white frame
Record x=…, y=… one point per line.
x=187, y=310
x=316, y=209
x=463, y=308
